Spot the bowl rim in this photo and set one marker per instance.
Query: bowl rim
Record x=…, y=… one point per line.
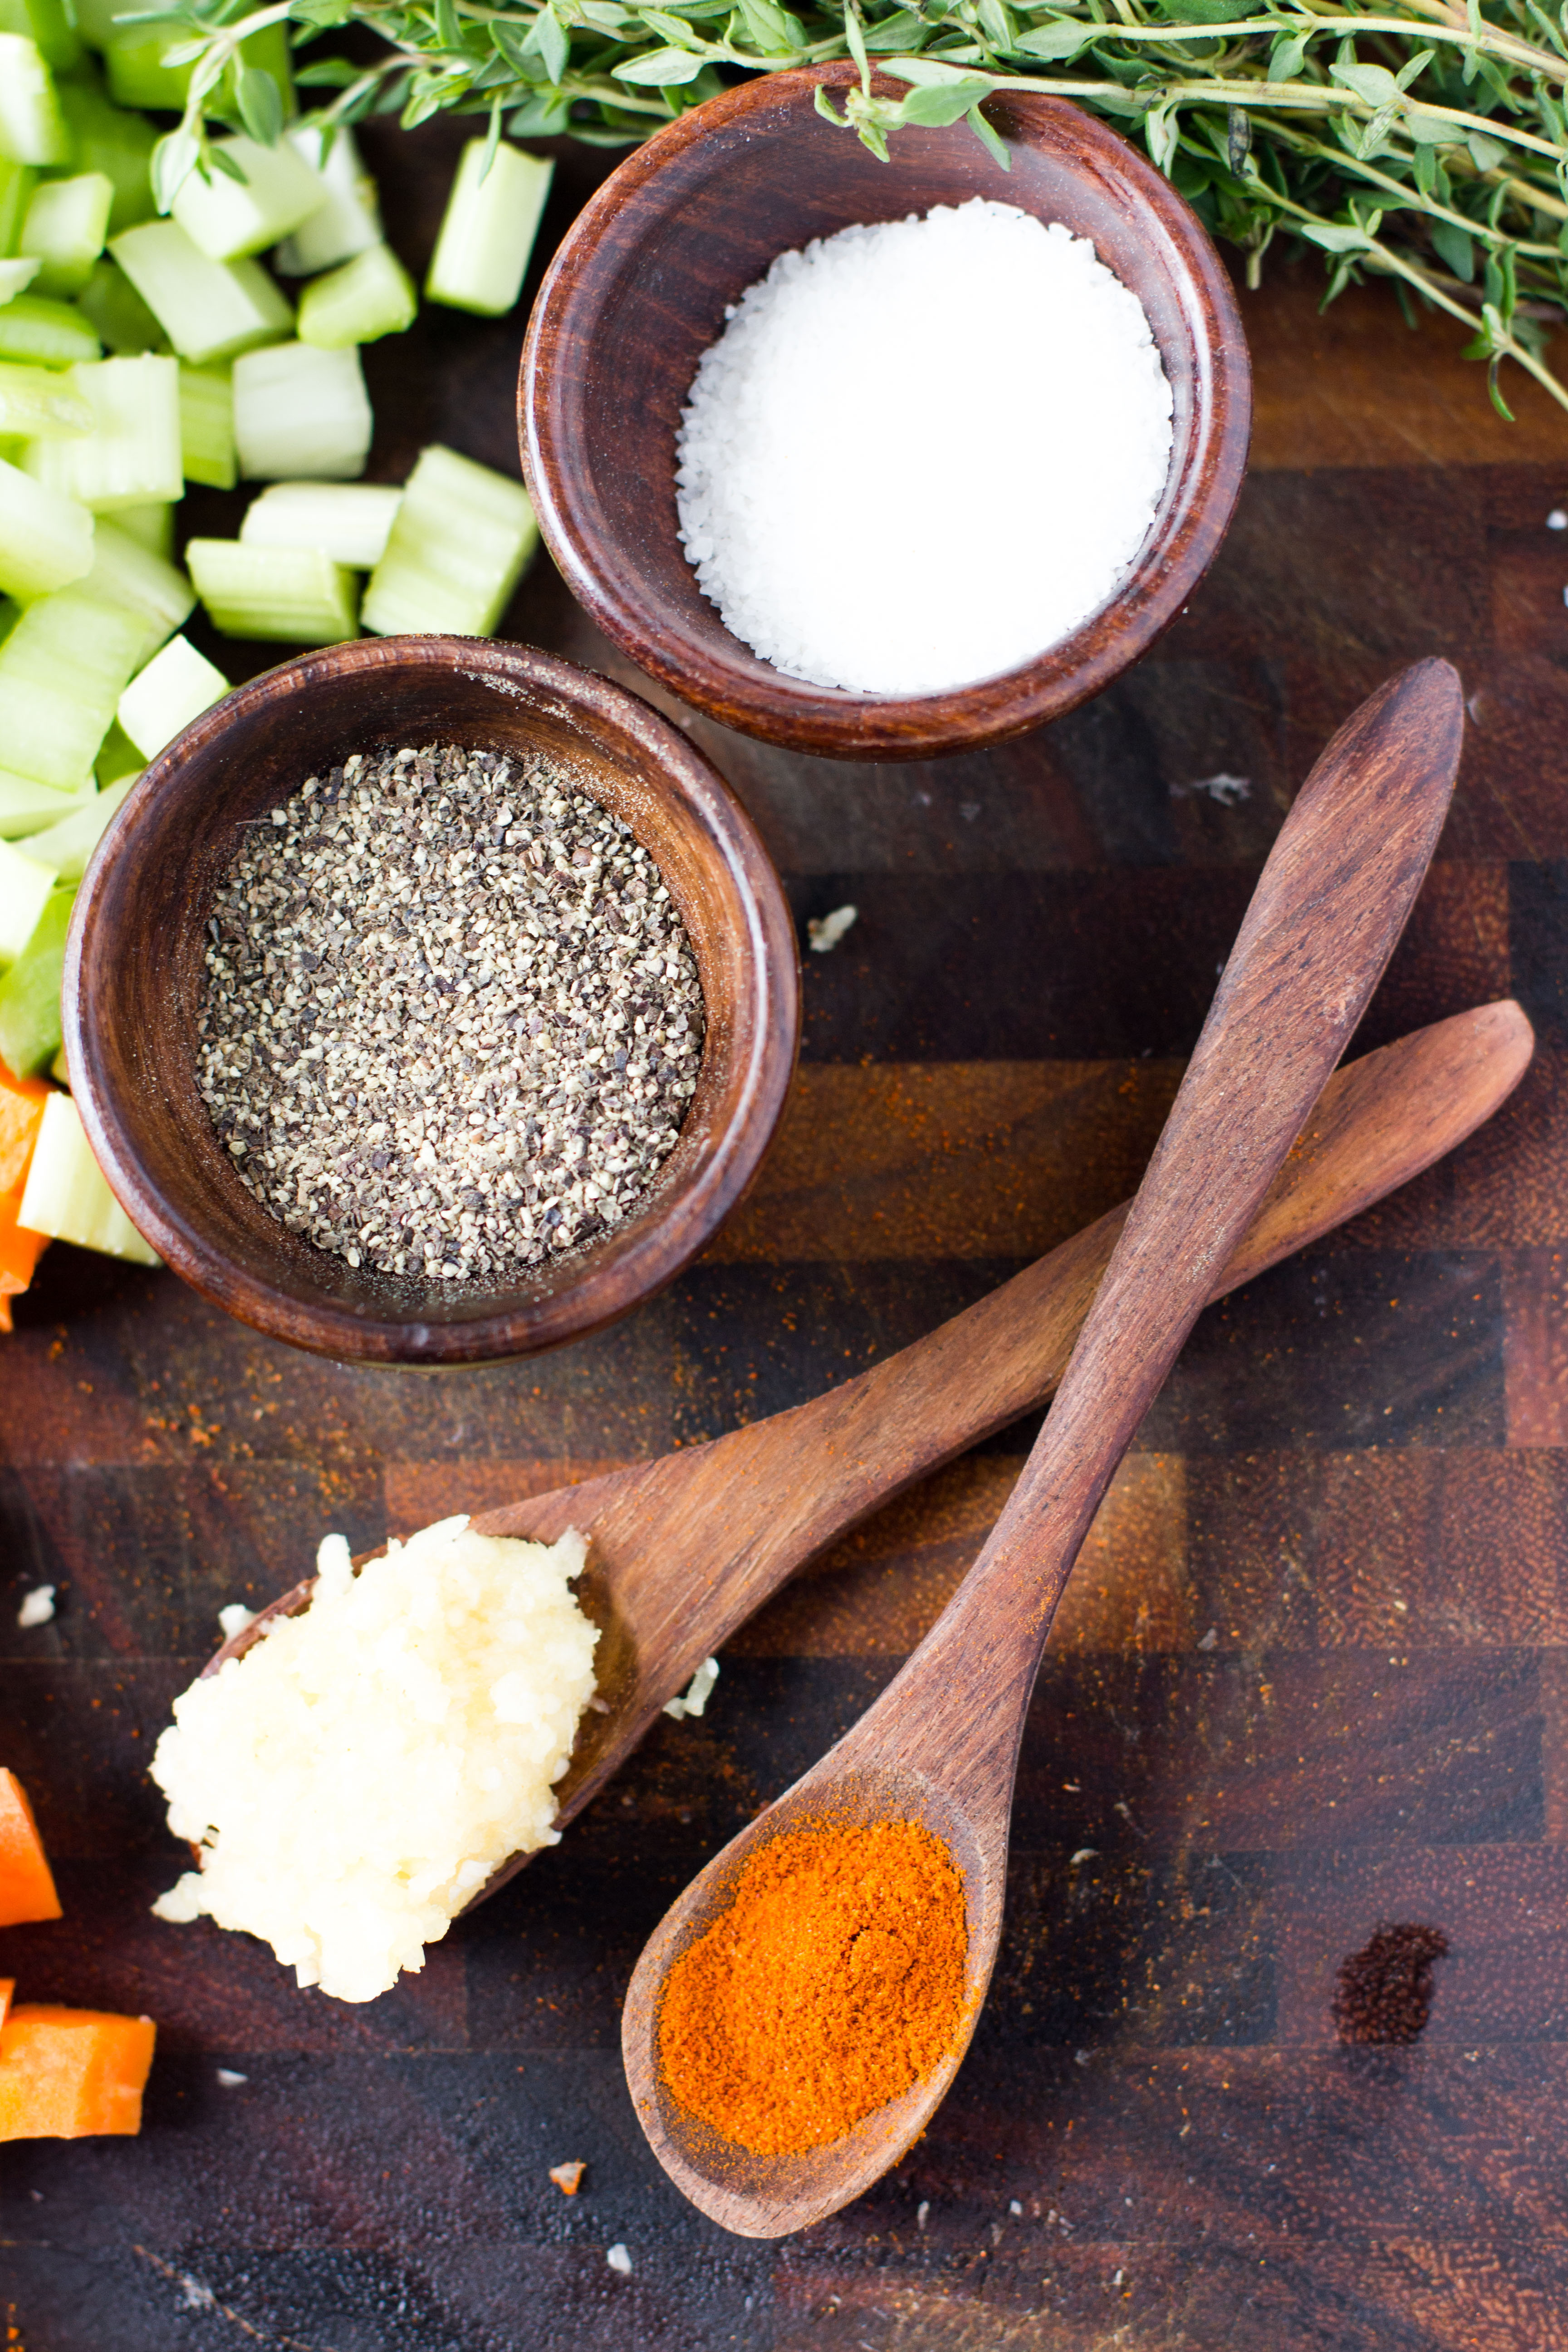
x=677, y=1226
x=827, y=720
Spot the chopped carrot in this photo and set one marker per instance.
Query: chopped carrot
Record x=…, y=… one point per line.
x=19, y=1254
x=7, y=1986
x=22, y=1104
x=69, y=2073
x=26, y=1885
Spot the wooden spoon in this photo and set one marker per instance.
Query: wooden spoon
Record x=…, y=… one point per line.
x=940, y=1744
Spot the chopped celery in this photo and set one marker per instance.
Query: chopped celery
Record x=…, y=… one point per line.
x=350, y=522
x=176, y=687
x=66, y=1196
x=32, y=128
x=16, y=277
x=228, y=218
x=17, y=182
x=40, y=403
x=209, y=310
x=350, y=219
x=95, y=20
x=30, y=991
x=368, y=297
x=118, y=761
x=133, y=58
x=206, y=427
x=25, y=884
x=50, y=23
x=27, y=807
x=295, y=594
x=39, y=333
x=66, y=223
x=110, y=139
x=126, y=574
x=487, y=231
x=152, y=527
x=132, y=457
x=299, y=413
x=62, y=669
x=113, y=306
x=459, y=543
x=46, y=541
x=69, y=845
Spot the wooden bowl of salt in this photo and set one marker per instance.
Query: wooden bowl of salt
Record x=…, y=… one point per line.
x=642, y=287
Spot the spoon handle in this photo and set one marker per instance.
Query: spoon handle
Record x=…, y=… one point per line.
x=1323, y=921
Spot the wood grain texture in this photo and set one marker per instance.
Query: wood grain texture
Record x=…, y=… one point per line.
x=1336, y=1439
x=134, y=975
x=641, y=286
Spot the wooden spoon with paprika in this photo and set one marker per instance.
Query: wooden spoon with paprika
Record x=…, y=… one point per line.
x=940, y=1747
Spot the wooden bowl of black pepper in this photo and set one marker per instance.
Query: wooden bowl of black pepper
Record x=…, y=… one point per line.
x=440, y=1004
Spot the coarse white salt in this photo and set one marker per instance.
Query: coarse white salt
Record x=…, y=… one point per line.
x=355, y=1778
x=922, y=452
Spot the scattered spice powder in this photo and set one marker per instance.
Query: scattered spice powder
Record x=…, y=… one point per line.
x=452, y=1021
x=1384, y=1990
x=833, y=1980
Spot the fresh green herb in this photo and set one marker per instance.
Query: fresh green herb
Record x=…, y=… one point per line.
x=1424, y=141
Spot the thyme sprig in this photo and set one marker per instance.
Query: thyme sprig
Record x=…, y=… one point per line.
x=1425, y=142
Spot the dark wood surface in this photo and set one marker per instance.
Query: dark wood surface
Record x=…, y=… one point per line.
x=135, y=974
x=1308, y=1678
x=642, y=286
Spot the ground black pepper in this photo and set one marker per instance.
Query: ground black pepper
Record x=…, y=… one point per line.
x=452, y=1020
x=1384, y=1990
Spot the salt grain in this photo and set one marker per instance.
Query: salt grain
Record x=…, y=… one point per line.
x=922, y=452
x=38, y=1607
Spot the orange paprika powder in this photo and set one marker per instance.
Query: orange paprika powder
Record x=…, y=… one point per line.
x=833, y=1980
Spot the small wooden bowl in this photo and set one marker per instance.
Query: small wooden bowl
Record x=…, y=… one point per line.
x=134, y=975
x=639, y=287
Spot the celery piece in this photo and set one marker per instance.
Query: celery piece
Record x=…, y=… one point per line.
x=62, y=669
x=295, y=594
x=209, y=310
x=48, y=23
x=95, y=20
x=32, y=128
x=487, y=231
x=227, y=219
x=161, y=701
x=66, y=223
x=460, y=541
x=300, y=414
x=368, y=297
x=24, y=884
x=132, y=457
x=17, y=182
x=350, y=522
x=206, y=427
x=46, y=541
x=67, y=1195
x=30, y=991
x=110, y=139
x=138, y=579
x=27, y=807
x=38, y=334
x=42, y=404
x=350, y=219
x=69, y=845
x=16, y=277
x=134, y=55
x=152, y=527
x=111, y=304
x=117, y=761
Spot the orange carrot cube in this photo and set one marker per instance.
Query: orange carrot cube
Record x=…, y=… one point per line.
x=27, y=1884
x=22, y=1104
x=7, y=1986
x=72, y=2073
x=19, y=1254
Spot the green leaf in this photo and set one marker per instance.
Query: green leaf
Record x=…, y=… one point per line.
x=1334, y=236
x=1374, y=83
x=1058, y=41
x=766, y=27
x=320, y=13
x=554, y=48
x=1208, y=12
x=544, y=116
x=1426, y=169
x=856, y=41
x=933, y=73
x=1287, y=56
x=1486, y=153
x=260, y=104
x=174, y=157
x=673, y=28
x=657, y=68
x=994, y=146
x=995, y=24
x=1452, y=245
x=327, y=73
x=903, y=30
x=943, y=102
